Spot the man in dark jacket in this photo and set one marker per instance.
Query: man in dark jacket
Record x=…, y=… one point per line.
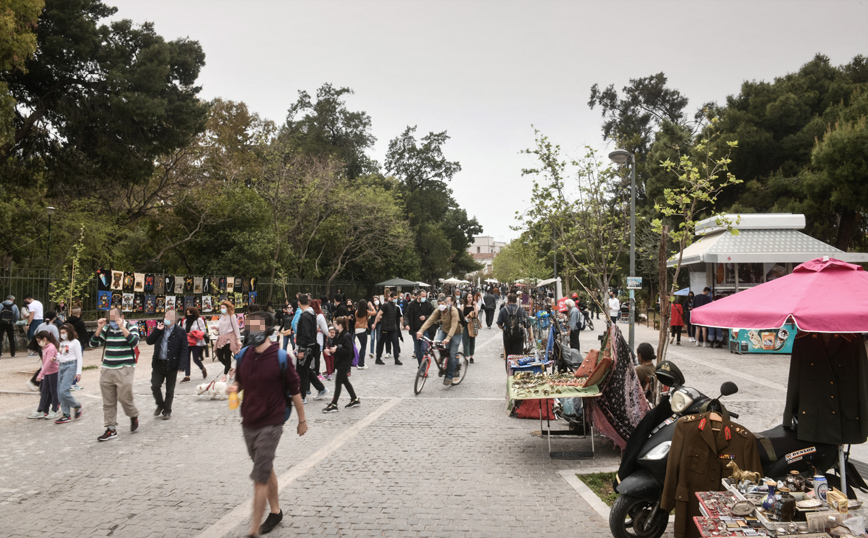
x=489, y=303
x=79, y=326
x=389, y=320
x=171, y=353
x=702, y=334
x=415, y=315
x=305, y=341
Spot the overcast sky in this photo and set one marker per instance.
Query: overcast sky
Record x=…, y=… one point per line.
x=486, y=70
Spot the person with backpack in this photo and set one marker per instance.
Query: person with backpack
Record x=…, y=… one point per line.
x=449, y=319
x=344, y=353
x=511, y=320
x=119, y=339
x=9, y=314
x=271, y=389
x=305, y=341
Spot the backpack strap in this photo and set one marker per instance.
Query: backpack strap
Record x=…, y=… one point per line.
x=282, y=360
x=238, y=357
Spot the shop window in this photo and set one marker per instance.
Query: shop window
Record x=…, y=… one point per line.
x=750, y=274
x=724, y=275
x=774, y=271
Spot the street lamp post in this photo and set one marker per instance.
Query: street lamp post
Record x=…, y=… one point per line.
x=50, y=211
x=620, y=157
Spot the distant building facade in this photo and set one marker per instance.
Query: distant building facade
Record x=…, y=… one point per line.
x=484, y=249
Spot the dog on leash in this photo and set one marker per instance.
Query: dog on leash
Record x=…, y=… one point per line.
x=216, y=390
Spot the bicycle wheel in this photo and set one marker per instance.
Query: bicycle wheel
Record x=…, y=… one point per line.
x=463, y=363
x=421, y=375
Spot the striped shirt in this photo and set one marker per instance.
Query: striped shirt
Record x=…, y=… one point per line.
x=118, y=349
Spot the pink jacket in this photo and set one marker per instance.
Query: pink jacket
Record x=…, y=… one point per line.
x=49, y=361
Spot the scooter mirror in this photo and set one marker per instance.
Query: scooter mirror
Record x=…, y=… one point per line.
x=728, y=388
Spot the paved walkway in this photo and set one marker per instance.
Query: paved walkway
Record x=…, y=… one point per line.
x=448, y=462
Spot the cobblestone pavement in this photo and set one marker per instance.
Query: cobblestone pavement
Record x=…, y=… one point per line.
x=448, y=462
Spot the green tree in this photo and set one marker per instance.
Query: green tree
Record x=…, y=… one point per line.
x=519, y=260
x=17, y=45
x=100, y=103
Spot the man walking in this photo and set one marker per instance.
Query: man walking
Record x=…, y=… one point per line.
x=265, y=384
x=489, y=303
x=118, y=371
x=576, y=324
x=9, y=314
x=614, y=308
x=389, y=318
x=171, y=353
x=707, y=336
x=35, y=318
x=418, y=311
x=510, y=320
x=305, y=341
x=79, y=326
x=448, y=333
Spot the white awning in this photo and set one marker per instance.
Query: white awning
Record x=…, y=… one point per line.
x=547, y=282
x=761, y=246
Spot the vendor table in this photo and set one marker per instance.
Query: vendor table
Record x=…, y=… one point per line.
x=565, y=392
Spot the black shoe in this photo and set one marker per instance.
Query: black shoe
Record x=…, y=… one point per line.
x=108, y=435
x=354, y=403
x=167, y=415
x=471, y=360
x=134, y=424
x=330, y=408
x=398, y=363
x=158, y=411
x=378, y=361
x=270, y=522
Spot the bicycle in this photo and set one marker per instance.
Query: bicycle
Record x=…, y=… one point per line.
x=441, y=362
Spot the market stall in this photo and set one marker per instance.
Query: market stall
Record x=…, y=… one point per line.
x=767, y=247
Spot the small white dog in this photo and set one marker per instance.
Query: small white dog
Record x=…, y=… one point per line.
x=216, y=390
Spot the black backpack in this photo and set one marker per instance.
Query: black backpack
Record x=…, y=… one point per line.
x=512, y=327
x=6, y=315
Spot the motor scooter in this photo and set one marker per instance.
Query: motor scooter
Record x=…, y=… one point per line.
x=639, y=482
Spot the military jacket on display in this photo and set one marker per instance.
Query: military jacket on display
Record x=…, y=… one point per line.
x=697, y=462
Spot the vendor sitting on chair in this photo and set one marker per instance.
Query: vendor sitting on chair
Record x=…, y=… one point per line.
x=646, y=369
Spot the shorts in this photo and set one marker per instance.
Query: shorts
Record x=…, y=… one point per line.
x=262, y=445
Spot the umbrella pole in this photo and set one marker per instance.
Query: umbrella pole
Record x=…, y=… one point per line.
x=842, y=468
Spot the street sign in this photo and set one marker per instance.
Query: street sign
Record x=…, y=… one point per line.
x=634, y=282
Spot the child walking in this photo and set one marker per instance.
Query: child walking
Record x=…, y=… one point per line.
x=343, y=356
x=70, y=359
x=327, y=354
x=48, y=402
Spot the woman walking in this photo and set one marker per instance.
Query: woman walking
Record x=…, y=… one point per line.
x=196, y=330
x=373, y=310
x=70, y=360
x=322, y=331
x=471, y=314
x=228, y=336
x=362, y=315
x=343, y=353
x=677, y=322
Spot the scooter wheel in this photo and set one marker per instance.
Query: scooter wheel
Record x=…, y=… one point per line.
x=629, y=518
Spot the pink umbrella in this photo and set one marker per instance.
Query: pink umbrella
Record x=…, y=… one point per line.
x=822, y=295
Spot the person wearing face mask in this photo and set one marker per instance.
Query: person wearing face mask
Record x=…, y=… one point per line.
x=362, y=316
x=70, y=359
x=118, y=371
x=388, y=320
x=195, y=328
x=306, y=340
x=415, y=315
x=342, y=349
x=171, y=352
x=228, y=336
x=448, y=317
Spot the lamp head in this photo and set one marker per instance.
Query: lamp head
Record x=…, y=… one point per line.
x=620, y=156
x=49, y=210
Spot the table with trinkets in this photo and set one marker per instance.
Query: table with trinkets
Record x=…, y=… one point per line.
x=533, y=386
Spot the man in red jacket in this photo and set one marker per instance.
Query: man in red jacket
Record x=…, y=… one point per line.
x=262, y=413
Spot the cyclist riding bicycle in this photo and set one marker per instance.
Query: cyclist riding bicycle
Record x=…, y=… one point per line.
x=447, y=315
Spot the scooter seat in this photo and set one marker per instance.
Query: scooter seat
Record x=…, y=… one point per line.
x=782, y=442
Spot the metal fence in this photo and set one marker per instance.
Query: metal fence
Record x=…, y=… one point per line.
x=20, y=281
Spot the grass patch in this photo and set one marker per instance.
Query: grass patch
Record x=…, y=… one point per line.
x=601, y=485
x=90, y=367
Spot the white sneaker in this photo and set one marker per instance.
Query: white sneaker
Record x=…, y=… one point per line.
x=692, y=339
x=698, y=343
x=53, y=415
x=33, y=386
x=706, y=345
x=37, y=414
x=388, y=355
x=321, y=394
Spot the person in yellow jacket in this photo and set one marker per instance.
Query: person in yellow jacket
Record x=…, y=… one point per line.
x=448, y=317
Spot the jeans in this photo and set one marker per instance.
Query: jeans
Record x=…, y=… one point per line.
x=64, y=384
x=375, y=337
x=31, y=330
x=363, y=345
x=49, y=399
x=287, y=339
x=8, y=330
x=453, y=352
x=343, y=381
x=468, y=342
x=195, y=356
x=159, y=374
x=418, y=343
x=715, y=333
x=390, y=336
